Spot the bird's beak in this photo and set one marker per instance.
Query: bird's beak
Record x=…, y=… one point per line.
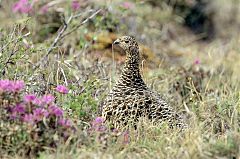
x=117, y=47
x=116, y=42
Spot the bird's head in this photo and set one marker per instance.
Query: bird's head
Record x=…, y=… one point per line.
x=126, y=44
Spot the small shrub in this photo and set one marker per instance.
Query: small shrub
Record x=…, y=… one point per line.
x=30, y=124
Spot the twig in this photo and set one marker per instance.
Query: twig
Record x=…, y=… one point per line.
x=14, y=40
x=61, y=34
x=82, y=23
x=13, y=52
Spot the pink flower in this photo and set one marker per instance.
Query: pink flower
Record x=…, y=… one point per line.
x=44, y=9
x=98, y=125
x=55, y=110
x=22, y=6
x=29, y=98
x=5, y=85
x=65, y=122
x=62, y=89
x=197, y=61
x=13, y=115
x=37, y=101
x=19, y=108
x=47, y=99
x=40, y=113
x=29, y=118
x=18, y=85
x=127, y=5
x=99, y=120
x=11, y=86
x=75, y=5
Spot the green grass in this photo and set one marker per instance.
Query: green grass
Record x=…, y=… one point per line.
x=208, y=94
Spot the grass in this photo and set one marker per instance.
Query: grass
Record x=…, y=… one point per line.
x=207, y=92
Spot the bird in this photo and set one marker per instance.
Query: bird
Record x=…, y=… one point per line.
x=130, y=98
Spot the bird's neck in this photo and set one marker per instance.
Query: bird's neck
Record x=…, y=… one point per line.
x=132, y=63
x=131, y=72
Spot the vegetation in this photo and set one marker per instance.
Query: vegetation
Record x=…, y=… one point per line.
x=57, y=65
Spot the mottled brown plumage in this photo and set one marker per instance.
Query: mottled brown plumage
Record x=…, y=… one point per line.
x=130, y=98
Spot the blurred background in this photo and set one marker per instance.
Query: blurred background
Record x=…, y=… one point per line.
x=167, y=29
x=190, y=53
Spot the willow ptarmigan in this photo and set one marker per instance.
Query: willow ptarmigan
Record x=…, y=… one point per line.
x=130, y=98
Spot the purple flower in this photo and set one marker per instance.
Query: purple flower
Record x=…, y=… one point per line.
x=55, y=110
x=22, y=6
x=75, y=5
x=65, y=122
x=99, y=120
x=18, y=85
x=127, y=5
x=19, y=108
x=101, y=128
x=11, y=86
x=197, y=61
x=47, y=99
x=98, y=125
x=40, y=113
x=6, y=85
x=29, y=98
x=13, y=115
x=62, y=89
x=29, y=118
x=37, y=101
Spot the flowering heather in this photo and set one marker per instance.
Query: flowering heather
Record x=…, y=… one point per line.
x=47, y=99
x=18, y=86
x=11, y=86
x=65, y=122
x=29, y=118
x=197, y=61
x=19, y=108
x=38, y=118
x=62, y=89
x=17, y=111
x=98, y=125
x=55, y=110
x=75, y=5
x=29, y=98
x=37, y=101
x=98, y=120
x=22, y=6
x=40, y=113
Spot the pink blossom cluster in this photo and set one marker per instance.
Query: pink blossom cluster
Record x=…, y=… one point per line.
x=11, y=86
x=197, y=61
x=62, y=89
x=98, y=125
x=75, y=5
x=30, y=108
x=34, y=110
x=26, y=6
x=22, y=6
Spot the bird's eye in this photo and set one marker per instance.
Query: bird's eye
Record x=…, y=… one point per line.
x=126, y=41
